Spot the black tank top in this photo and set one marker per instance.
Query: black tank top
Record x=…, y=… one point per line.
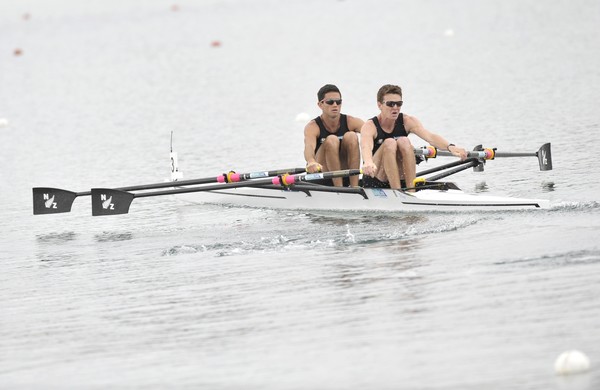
x=397, y=132
x=343, y=129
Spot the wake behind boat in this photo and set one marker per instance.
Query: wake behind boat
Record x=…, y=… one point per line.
x=294, y=189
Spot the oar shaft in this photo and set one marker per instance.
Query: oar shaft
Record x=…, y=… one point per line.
x=442, y=167
x=224, y=178
x=281, y=181
x=543, y=154
x=48, y=200
x=468, y=164
x=208, y=187
x=515, y=154
x=107, y=201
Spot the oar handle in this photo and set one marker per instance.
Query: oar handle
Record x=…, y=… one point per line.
x=233, y=177
x=432, y=152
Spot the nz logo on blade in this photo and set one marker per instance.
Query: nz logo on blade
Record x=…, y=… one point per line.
x=107, y=203
x=544, y=158
x=49, y=202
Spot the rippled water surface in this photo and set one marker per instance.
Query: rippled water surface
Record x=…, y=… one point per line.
x=174, y=295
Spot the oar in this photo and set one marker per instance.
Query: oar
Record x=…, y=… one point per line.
x=47, y=200
x=443, y=167
x=543, y=154
x=109, y=201
x=472, y=162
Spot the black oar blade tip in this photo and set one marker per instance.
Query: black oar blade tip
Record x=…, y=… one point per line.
x=108, y=201
x=47, y=200
x=544, y=156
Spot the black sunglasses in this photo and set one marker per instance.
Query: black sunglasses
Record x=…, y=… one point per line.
x=331, y=101
x=390, y=103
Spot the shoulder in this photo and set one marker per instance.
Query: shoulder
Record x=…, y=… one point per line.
x=410, y=122
x=354, y=123
x=368, y=127
x=311, y=127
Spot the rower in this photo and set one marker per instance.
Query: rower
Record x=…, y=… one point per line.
x=331, y=139
x=388, y=154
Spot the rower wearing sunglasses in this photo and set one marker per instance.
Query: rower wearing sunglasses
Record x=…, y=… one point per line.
x=331, y=140
x=389, y=157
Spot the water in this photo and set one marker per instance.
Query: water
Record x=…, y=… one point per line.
x=180, y=296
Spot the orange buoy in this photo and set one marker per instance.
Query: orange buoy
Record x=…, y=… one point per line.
x=215, y=43
x=18, y=52
x=174, y=8
x=26, y=16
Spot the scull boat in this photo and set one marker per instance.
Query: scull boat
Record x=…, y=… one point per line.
x=431, y=195
x=295, y=189
x=441, y=197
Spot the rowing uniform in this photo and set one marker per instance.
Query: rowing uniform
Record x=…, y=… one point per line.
x=398, y=131
x=324, y=133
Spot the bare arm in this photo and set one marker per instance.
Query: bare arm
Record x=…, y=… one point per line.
x=413, y=125
x=311, y=134
x=369, y=132
x=355, y=124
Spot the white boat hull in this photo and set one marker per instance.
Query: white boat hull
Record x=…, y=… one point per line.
x=375, y=199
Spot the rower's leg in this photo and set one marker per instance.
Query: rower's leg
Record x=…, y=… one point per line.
x=350, y=155
x=378, y=161
x=409, y=164
x=331, y=148
x=390, y=165
x=320, y=158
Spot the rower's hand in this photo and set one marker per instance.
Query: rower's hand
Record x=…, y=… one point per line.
x=458, y=152
x=369, y=169
x=313, y=167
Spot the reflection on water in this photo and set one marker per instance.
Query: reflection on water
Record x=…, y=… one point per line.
x=51, y=250
x=56, y=238
x=112, y=237
x=481, y=187
x=547, y=186
x=343, y=218
x=63, y=259
x=569, y=258
x=574, y=382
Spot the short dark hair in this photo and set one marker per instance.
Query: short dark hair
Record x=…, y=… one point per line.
x=325, y=89
x=388, y=88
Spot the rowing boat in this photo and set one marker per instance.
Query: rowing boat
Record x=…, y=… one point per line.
x=447, y=198
x=432, y=195
x=295, y=189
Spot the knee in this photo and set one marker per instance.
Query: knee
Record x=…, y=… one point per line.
x=350, y=140
x=404, y=144
x=389, y=146
x=331, y=141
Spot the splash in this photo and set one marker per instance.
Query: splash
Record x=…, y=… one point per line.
x=184, y=250
x=568, y=206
